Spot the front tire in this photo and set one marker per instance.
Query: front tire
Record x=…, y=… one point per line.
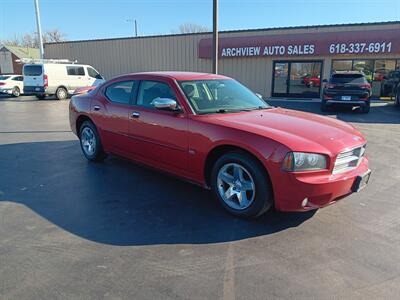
x=90, y=142
x=61, y=93
x=16, y=92
x=241, y=184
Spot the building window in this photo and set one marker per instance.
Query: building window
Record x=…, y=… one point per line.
x=342, y=65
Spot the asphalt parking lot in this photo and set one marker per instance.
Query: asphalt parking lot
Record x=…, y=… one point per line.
x=73, y=229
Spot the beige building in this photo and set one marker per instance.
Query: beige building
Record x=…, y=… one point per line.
x=279, y=62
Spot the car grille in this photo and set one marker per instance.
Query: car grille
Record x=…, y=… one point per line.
x=348, y=160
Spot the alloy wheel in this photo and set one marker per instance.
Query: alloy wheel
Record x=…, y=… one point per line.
x=88, y=141
x=236, y=186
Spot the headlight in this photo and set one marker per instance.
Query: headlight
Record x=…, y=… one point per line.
x=301, y=161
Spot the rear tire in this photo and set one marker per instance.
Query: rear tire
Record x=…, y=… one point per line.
x=90, y=142
x=241, y=184
x=16, y=92
x=61, y=93
x=366, y=108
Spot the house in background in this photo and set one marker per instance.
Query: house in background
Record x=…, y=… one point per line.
x=8, y=55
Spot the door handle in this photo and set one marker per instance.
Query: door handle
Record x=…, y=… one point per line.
x=96, y=107
x=135, y=114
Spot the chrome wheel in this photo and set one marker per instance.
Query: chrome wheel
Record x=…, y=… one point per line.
x=61, y=94
x=88, y=141
x=236, y=186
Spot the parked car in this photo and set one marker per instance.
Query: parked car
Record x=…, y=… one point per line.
x=11, y=84
x=390, y=83
x=58, y=78
x=347, y=88
x=211, y=130
x=312, y=80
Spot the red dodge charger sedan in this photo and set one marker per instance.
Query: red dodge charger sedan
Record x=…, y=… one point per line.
x=211, y=130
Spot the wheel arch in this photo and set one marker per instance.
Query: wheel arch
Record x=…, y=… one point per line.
x=215, y=153
x=79, y=122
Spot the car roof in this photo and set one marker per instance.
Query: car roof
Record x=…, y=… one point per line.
x=179, y=75
x=10, y=75
x=348, y=72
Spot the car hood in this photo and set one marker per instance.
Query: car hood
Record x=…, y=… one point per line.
x=299, y=131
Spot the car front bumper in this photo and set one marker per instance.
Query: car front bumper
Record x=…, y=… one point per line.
x=311, y=191
x=6, y=91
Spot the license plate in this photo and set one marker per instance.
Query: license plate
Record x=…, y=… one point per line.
x=346, y=98
x=37, y=89
x=361, y=181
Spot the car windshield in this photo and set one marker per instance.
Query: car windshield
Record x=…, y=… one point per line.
x=4, y=77
x=348, y=78
x=220, y=96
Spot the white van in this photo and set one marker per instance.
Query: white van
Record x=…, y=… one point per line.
x=58, y=77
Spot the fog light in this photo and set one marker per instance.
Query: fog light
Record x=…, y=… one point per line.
x=304, y=202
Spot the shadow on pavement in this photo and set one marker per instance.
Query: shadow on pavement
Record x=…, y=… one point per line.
x=383, y=112
x=120, y=203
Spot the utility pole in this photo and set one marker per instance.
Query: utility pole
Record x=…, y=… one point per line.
x=215, y=38
x=39, y=29
x=133, y=21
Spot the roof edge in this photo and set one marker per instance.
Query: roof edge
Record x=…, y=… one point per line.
x=233, y=31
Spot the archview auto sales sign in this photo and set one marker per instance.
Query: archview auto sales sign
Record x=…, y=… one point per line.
x=308, y=44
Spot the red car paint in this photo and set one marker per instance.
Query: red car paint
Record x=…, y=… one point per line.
x=312, y=81
x=180, y=143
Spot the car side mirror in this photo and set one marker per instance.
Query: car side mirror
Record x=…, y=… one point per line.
x=325, y=80
x=165, y=104
x=259, y=96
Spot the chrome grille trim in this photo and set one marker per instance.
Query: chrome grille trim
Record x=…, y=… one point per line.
x=348, y=159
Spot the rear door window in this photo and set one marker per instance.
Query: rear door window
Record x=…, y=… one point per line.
x=4, y=77
x=75, y=71
x=120, y=92
x=348, y=78
x=33, y=70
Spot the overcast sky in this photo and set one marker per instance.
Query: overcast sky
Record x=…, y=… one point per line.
x=90, y=19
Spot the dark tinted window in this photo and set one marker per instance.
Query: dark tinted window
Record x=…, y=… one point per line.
x=75, y=71
x=150, y=90
x=348, y=78
x=18, y=78
x=120, y=92
x=33, y=70
x=4, y=77
x=92, y=73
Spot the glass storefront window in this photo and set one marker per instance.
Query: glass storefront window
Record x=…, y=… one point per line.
x=342, y=65
x=364, y=66
x=383, y=67
x=297, y=78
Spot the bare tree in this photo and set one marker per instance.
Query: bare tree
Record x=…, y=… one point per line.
x=31, y=39
x=191, y=28
x=55, y=36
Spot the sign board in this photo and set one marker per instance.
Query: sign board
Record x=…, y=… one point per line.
x=363, y=43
